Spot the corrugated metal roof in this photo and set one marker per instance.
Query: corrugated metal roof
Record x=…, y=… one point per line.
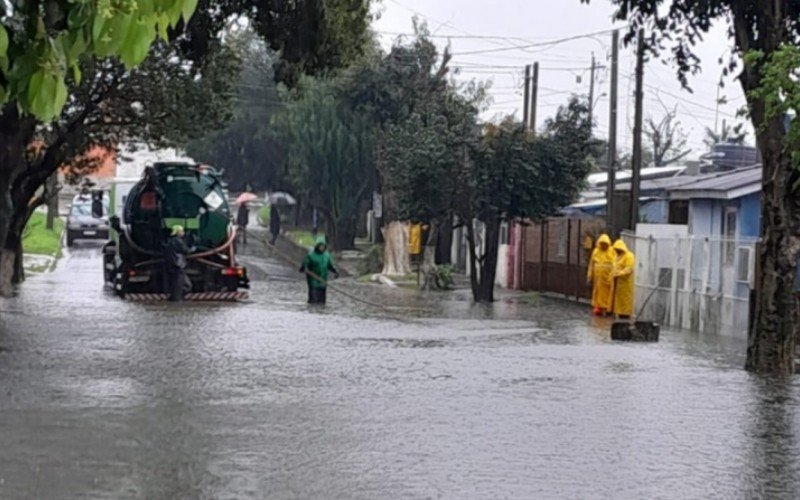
x=668, y=183
x=721, y=185
x=601, y=178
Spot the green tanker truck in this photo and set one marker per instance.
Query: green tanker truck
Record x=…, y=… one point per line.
x=142, y=214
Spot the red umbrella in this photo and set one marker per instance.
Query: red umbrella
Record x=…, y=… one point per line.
x=246, y=198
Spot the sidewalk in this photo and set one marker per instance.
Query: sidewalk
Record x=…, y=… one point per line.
x=38, y=264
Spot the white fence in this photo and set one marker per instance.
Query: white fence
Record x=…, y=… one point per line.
x=696, y=283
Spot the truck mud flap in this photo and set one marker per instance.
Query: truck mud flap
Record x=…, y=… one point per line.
x=201, y=297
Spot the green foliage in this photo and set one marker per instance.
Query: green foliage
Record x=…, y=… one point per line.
x=780, y=92
x=245, y=147
x=38, y=46
x=263, y=215
x=311, y=37
x=424, y=123
x=441, y=277
x=329, y=153
x=182, y=105
x=420, y=160
x=731, y=134
x=517, y=175
x=372, y=262
x=303, y=238
x=38, y=240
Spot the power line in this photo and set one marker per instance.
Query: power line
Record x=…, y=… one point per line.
x=459, y=37
x=550, y=43
x=441, y=23
x=659, y=90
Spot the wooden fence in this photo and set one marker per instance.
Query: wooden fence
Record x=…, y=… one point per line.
x=556, y=255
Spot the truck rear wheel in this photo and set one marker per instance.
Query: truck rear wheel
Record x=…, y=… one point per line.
x=109, y=268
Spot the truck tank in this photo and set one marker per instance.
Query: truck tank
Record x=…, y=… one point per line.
x=170, y=194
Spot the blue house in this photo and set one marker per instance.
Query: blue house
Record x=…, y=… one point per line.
x=723, y=216
x=725, y=205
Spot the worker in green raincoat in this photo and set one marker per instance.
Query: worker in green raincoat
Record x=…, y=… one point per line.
x=316, y=265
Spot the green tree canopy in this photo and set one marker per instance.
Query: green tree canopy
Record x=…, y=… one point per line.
x=41, y=40
x=515, y=175
x=310, y=37
x=329, y=152
x=245, y=147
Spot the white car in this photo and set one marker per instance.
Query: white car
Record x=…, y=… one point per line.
x=82, y=224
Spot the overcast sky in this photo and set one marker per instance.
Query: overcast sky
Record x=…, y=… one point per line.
x=469, y=26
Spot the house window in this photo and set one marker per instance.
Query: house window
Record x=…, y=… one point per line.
x=729, y=236
x=679, y=212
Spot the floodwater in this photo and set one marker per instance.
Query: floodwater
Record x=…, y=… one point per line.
x=525, y=399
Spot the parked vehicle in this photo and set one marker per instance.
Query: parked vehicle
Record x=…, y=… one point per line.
x=143, y=213
x=82, y=223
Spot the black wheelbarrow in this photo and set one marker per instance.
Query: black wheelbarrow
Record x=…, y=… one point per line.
x=637, y=331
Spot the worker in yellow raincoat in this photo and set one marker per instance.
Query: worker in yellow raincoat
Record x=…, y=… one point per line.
x=601, y=266
x=623, y=280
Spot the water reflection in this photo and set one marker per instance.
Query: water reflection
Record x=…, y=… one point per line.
x=772, y=457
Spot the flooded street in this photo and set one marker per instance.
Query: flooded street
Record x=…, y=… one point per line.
x=101, y=398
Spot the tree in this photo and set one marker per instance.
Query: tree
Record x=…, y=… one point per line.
x=730, y=134
x=310, y=37
x=514, y=176
x=43, y=46
x=422, y=122
x=112, y=105
x=245, y=147
x=329, y=154
x=667, y=139
x=761, y=32
x=422, y=159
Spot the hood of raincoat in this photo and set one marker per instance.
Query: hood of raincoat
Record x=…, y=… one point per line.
x=320, y=241
x=621, y=246
x=603, y=239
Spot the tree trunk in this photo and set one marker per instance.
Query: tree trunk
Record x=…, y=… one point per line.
x=474, y=261
x=444, y=243
x=19, y=265
x=7, y=259
x=345, y=238
x=488, y=271
x=429, y=257
x=51, y=189
x=771, y=340
x=396, y=259
x=22, y=214
x=16, y=133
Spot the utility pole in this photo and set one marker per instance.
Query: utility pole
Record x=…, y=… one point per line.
x=636, y=174
x=534, y=97
x=591, y=95
x=527, y=108
x=612, y=133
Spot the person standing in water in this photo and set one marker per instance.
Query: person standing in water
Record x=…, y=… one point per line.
x=176, y=256
x=623, y=280
x=598, y=275
x=317, y=264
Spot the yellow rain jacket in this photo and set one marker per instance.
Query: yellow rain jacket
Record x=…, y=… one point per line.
x=623, y=280
x=601, y=266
